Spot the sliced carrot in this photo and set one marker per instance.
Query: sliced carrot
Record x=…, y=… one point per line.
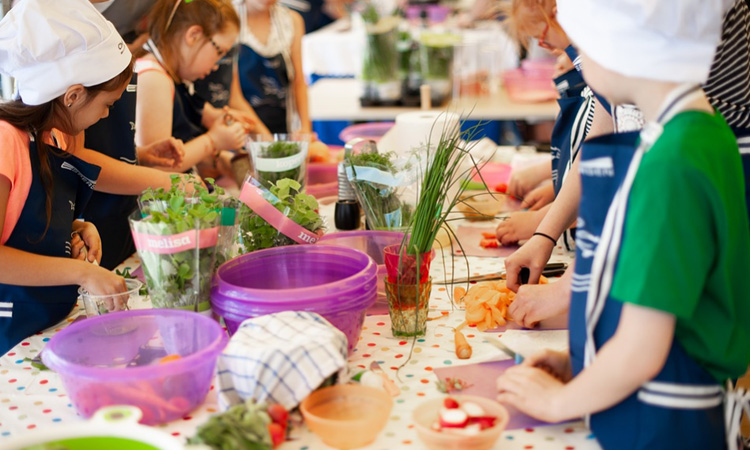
x=459, y=293
x=488, y=235
x=169, y=358
x=489, y=243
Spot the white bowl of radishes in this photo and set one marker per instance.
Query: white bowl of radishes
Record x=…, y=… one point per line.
x=463, y=422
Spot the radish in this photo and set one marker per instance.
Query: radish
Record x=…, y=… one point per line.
x=453, y=418
x=472, y=409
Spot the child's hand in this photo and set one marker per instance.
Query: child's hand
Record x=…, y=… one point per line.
x=227, y=137
x=100, y=281
x=553, y=362
x=518, y=227
x=523, y=181
x=85, y=243
x=531, y=390
x=537, y=302
x=539, y=197
x=166, y=153
x=534, y=254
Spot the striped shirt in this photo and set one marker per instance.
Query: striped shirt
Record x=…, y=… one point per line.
x=728, y=84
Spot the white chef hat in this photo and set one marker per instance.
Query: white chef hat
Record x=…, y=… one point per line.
x=665, y=40
x=50, y=45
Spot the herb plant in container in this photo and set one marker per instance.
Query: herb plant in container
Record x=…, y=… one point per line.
x=386, y=185
x=408, y=284
x=277, y=216
x=380, y=74
x=176, y=234
x=279, y=156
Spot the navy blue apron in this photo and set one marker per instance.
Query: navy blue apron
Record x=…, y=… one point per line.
x=215, y=88
x=682, y=406
x=572, y=124
x=30, y=309
x=114, y=136
x=265, y=85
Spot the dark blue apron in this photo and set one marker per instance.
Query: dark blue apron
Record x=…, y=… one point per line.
x=265, y=85
x=572, y=124
x=30, y=309
x=215, y=88
x=663, y=413
x=187, y=114
x=114, y=137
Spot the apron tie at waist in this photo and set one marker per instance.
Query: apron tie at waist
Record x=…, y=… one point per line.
x=681, y=396
x=737, y=401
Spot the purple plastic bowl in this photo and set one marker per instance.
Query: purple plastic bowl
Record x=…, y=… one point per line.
x=370, y=130
x=114, y=360
x=371, y=242
x=336, y=282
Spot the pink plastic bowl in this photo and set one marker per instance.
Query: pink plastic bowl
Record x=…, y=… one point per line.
x=114, y=359
x=523, y=87
x=336, y=282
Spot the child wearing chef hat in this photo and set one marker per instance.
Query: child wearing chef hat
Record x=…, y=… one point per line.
x=70, y=66
x=661, y=297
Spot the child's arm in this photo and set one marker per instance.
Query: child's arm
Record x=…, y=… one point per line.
x=300, y=86
x=153, y=116
x=523, y=181
x=563, y=213
x=118, y=177
x=635, y=354
x=37, y=270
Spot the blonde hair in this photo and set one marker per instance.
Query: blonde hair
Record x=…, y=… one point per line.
x=521, y=15
x=169, y=19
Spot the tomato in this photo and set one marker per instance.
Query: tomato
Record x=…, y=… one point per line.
x=278, y=414
x=502, y=188
x=277, y=434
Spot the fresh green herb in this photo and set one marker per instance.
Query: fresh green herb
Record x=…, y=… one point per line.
x=183, y=279
x=436, y=54
x=125, y=273
x=449, y=385
x=256, y=234
x=243, y=426
x=380, y=62
x=36, y=363
x=383, y=207
x=276, y=150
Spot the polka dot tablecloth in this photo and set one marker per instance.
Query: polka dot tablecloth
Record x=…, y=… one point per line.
x=33, y=400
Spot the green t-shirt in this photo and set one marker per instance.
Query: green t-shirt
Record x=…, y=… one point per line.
x=686, y=244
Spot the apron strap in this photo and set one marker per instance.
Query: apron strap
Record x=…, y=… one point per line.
x=737, y=401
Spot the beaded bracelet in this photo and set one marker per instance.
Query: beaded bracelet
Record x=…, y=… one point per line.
x=554, y=241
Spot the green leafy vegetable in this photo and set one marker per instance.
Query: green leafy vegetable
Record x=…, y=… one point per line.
x=276, y=150
x=243, y=426
x=125, y=273
x=182, y=279
x=256, y=234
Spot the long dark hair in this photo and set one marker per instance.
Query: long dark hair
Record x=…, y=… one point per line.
x=169, y=19
x=40, y=119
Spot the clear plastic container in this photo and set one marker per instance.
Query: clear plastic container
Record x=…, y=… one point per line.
x=160, y=360
x=96, y=305
x=336, y=282
x=277, y=156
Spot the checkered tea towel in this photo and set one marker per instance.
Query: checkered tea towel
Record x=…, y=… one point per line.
x=280, y=358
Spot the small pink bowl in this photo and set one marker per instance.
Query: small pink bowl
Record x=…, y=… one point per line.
x=427, y=413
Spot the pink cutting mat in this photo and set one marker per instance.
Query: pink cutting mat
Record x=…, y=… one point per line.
x=493, y=173
x=471, y=236
x=481, y=378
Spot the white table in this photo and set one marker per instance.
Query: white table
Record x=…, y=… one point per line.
x=338, y=99
x=32, y=401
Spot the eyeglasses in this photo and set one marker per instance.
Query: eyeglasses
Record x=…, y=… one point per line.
x=219, y=51
x=543, y=38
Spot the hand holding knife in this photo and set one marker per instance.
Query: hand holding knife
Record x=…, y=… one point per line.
x=550, y=270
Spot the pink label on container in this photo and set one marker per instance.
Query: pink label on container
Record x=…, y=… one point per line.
x=175, y=243
x=252, y=196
